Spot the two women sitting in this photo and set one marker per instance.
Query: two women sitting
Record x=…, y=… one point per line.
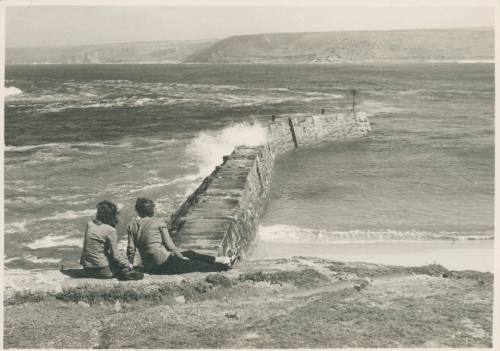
x=148, y=234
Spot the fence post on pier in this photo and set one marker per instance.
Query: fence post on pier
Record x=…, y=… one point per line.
x=322, y=111
x=292, y=130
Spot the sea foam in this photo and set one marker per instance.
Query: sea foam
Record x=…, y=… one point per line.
x=15, y=227
x=69, y=215
x=282, y=233
x=54, y=241
x=35, y=259
x=102, y=94
x=60, y=146
x=187, y=178
x=11, y=91
x=12, y=259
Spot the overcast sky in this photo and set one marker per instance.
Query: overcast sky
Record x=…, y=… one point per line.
x=71, y=25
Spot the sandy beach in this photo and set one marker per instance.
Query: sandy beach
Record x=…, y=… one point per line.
x=457, y=255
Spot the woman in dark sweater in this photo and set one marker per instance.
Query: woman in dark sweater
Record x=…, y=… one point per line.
x=158, y=252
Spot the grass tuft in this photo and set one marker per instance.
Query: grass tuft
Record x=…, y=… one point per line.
x=305, y=277
x=218, y=279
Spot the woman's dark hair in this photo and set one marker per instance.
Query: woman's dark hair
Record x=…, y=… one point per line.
x=107, y=213
x=145, y=207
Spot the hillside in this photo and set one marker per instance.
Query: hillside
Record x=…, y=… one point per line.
x=475, y=44
x=139, y=52
x=362, y=46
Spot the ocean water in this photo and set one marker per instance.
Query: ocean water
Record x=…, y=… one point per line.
x=77, y=134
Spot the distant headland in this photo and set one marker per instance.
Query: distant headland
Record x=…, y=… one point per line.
x=424, y=45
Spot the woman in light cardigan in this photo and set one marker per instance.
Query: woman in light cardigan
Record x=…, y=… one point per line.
x=100, y=256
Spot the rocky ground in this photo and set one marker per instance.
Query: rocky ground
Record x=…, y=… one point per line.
x=294, y=303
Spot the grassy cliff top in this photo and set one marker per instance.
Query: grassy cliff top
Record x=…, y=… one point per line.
x=289, y=303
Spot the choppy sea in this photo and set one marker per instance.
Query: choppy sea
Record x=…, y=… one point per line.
x=77, y=134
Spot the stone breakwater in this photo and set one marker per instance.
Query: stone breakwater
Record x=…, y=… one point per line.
x=222, y=215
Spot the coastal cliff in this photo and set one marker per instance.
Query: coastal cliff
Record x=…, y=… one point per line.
x=352, y=47
x=137, y=52
x=469, y=44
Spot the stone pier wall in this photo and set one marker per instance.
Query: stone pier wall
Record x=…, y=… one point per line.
x=222, y=215
x=315, y=129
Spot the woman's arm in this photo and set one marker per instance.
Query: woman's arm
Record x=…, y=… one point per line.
x=167, y=241
x=115, y=253
x=130, y=245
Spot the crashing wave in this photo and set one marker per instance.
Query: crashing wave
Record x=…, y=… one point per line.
x=207, y=149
